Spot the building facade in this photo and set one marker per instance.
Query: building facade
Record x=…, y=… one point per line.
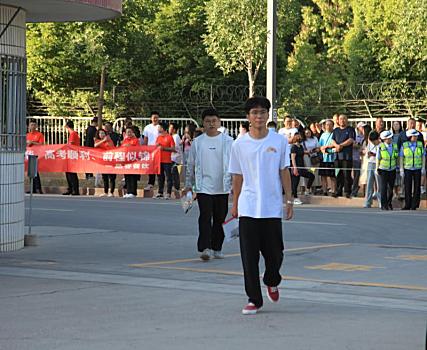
x=14, y=14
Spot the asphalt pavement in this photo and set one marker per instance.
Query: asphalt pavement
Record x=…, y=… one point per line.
x=111, y=273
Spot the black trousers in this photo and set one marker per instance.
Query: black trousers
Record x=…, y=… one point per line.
x=73, y=183
x=152, y=179
x=213, y=210
x=344, y=180
x=131, y=182
x=165, y=172
x=295, y=180
x=37, y=185
x=175, y=177
x=412, y=182
x=265, y=236
x=386, y=185
x=109, y=181
x=356, y=176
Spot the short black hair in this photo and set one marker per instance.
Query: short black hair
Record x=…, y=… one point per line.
x=272, y=124
x=175, y=125
x=210, y=112
x=373, y=135
x=154, y=113
x=94, y=120
x=257, y=101
x=70, y=124
x=164, y=125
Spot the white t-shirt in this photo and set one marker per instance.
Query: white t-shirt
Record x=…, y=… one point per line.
x=212, y=164
x=151, y=132
x=311, y=143
x=288, y=132
x=373, y=149
x=260, y=162
x=177, y=156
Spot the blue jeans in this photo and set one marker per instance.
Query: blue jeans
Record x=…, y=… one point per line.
x=371, y=178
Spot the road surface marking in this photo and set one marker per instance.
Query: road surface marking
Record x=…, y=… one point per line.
x=177, y=261
x=50, y=209
x=342, y=267
x=410, y=257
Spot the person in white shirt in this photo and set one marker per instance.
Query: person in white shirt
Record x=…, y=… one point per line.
x=149, y=138
x=176, y=156
x=372, y=175
x=288, y=130
x=259, y=166
x=207, y=173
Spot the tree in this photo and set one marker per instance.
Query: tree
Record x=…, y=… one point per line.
x=237, y=36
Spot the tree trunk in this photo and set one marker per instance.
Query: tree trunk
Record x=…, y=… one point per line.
x=101, y=96
x=251, y=80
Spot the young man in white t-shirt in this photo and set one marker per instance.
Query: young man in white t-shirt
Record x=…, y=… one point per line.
x=150, y=134
x=207, y=172
x=259, y=166
x=288, y=131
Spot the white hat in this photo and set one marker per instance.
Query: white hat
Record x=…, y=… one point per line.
x=412, y=132
x=322, y=121
x=361, y=124
x=387, y=134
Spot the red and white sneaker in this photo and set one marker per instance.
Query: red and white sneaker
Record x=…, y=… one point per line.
x=273, y=294
x=250, y=309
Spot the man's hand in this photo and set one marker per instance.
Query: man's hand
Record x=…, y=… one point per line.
x=295, y=171
x=289, y=211
x=234, y=211
x=186, y=190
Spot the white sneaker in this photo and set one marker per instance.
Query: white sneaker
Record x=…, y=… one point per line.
x=297, y=201
x=103, y=195
x=148, y=188
x=308, y=193
x=126, y=195
x=206, y=254
x=167, y=196
x=130, y=195
x=218, y=254
x=110, y=195
x=158, y=196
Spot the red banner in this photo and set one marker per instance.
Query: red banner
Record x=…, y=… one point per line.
x=76, y=159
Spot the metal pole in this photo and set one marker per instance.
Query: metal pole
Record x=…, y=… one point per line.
x=271, y=56
x=30, y=209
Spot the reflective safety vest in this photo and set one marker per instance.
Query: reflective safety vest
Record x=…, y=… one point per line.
x=413, y=159
x=388, y=161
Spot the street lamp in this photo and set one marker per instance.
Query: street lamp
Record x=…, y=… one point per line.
x=271, y=56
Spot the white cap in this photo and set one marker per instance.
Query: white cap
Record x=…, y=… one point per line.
x=361, y=124
x=322, y=121
x=387, y=134
x=412, y=132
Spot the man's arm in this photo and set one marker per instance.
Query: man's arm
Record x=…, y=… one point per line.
x=189, y=171
x=347, y=142
x=237, y=189
x=285, y=178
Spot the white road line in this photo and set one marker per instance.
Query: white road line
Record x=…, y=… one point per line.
x=50, y=209
x=313, y=223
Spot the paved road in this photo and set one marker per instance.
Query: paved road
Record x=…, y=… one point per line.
x=123, y=274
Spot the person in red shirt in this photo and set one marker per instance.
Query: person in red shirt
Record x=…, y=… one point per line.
x=104, y=142
x=167, y=146
x=72, y=178
x=35, y=138
x=131, y=180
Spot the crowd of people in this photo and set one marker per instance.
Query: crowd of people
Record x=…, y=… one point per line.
x=329, y=157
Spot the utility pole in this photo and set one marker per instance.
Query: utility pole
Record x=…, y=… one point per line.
x=271, y=56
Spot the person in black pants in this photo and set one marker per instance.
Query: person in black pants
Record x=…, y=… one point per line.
x=297, y=170
x=72, y=178
x=387, y=158
x=342, y=139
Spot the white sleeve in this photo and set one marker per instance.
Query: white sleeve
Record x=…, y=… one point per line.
x=285, y=157
x=145, y=132
x=234, y=167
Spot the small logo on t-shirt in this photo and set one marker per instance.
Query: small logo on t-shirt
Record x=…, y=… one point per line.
x=271, y=149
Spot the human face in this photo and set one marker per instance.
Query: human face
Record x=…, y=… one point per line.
x=211, y=123
x=342, y=121
x=329, y=126
x=379, y=124
x=414, y=138
x=160, y=128
x=32, y=127
x=108, y=127
x=308, y=134
x=258, y=117
x=288, y=123
x=297, y=138
x=242, y=130
x=388, y=141
x=155, y=119
x=313, y=128
x=295, y=124
x=420, y=126
x=171, y=129
x=130, y=133
x=102, y=134
x=396, y=126
x=411, y=124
